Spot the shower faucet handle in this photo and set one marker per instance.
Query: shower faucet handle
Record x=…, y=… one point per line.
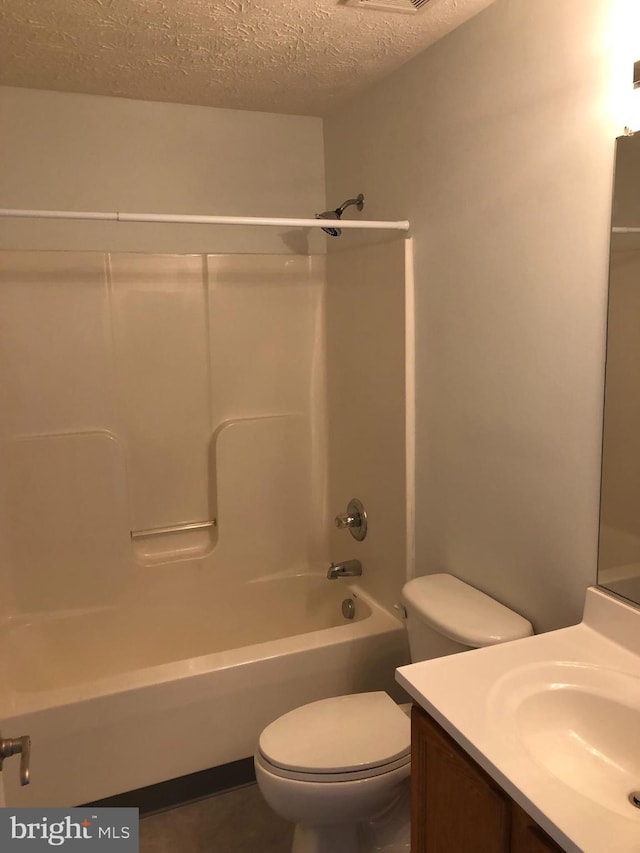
x=18, y=746
x=354, y=520
x=343, y=520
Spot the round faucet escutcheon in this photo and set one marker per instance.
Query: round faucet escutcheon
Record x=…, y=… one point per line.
x=354, y=519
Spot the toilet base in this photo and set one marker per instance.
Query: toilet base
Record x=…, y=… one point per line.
x=336, y=838
x=387, y=832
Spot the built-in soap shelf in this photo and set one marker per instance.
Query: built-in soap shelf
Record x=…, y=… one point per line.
x=160, y=545
x=258, y=476
x=77, y=487
x=176, y=528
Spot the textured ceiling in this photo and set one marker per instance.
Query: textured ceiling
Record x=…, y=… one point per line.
x=288, y=56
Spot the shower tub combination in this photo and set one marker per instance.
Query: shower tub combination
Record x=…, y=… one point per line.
x=158, y=691
x=132, y=659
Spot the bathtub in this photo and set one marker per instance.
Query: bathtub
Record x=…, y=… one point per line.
x=122, y=697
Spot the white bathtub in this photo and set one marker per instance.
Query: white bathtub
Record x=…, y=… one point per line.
x=118, y=698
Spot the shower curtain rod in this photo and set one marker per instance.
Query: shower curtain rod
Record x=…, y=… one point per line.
x=620, y=229
x=401, y=225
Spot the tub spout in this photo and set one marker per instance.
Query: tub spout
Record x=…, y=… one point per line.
x=348, y=569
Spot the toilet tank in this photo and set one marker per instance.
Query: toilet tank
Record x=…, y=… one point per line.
x=445, y=615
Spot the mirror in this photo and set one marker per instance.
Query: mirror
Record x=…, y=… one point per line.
x=619, y=542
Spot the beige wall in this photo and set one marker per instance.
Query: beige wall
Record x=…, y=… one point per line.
x=83, y=152
x=497, y=144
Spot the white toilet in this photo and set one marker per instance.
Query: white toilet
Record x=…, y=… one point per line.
x=339, y=768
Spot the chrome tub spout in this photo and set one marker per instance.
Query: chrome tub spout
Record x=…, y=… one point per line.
x=348, y=569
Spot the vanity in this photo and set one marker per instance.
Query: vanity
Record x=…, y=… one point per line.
x=457, y=806
x=534, y=745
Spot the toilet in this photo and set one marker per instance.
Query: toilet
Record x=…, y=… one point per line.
x=339, y=768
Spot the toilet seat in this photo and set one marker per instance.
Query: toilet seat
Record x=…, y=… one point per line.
x=349, y=776
x=339, y=739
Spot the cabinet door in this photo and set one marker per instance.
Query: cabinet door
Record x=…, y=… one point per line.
x=455, y=806
x=527, y=836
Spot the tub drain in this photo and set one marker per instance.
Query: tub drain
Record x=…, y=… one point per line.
x=634, y=799
x=349, y=611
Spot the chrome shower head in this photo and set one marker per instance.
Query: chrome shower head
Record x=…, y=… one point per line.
x=331, y=214
x=337, y=214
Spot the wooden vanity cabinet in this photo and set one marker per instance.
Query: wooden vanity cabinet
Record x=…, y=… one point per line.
x=456, y=807
x=526, y=835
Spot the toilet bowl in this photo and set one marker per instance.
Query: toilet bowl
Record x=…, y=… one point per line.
x=339, y=768
x=332, y=765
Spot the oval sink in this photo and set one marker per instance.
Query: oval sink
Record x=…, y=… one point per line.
x=581, y=723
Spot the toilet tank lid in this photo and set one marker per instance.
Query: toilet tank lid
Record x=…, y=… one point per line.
x=463, y=613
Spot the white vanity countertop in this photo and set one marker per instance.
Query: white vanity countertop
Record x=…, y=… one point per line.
x=554, y=719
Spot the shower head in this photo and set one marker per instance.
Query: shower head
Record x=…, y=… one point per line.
x=337, y=214
x=331, y=214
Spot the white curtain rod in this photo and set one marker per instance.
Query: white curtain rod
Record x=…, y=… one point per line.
x=401, y=225
x=620, y=229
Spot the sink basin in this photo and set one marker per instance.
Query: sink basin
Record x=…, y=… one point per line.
x=580, y=722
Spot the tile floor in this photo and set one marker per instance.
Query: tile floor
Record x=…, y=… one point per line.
x=233, y=822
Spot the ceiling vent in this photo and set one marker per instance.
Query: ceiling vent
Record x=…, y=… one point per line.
x=405, y=6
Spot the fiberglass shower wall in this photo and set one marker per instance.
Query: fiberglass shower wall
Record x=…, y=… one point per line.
x=370, y=393
x=144, y=392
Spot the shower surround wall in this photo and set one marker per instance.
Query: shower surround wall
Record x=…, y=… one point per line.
x=142, y=392
x=370, y=425
x=146, y=391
